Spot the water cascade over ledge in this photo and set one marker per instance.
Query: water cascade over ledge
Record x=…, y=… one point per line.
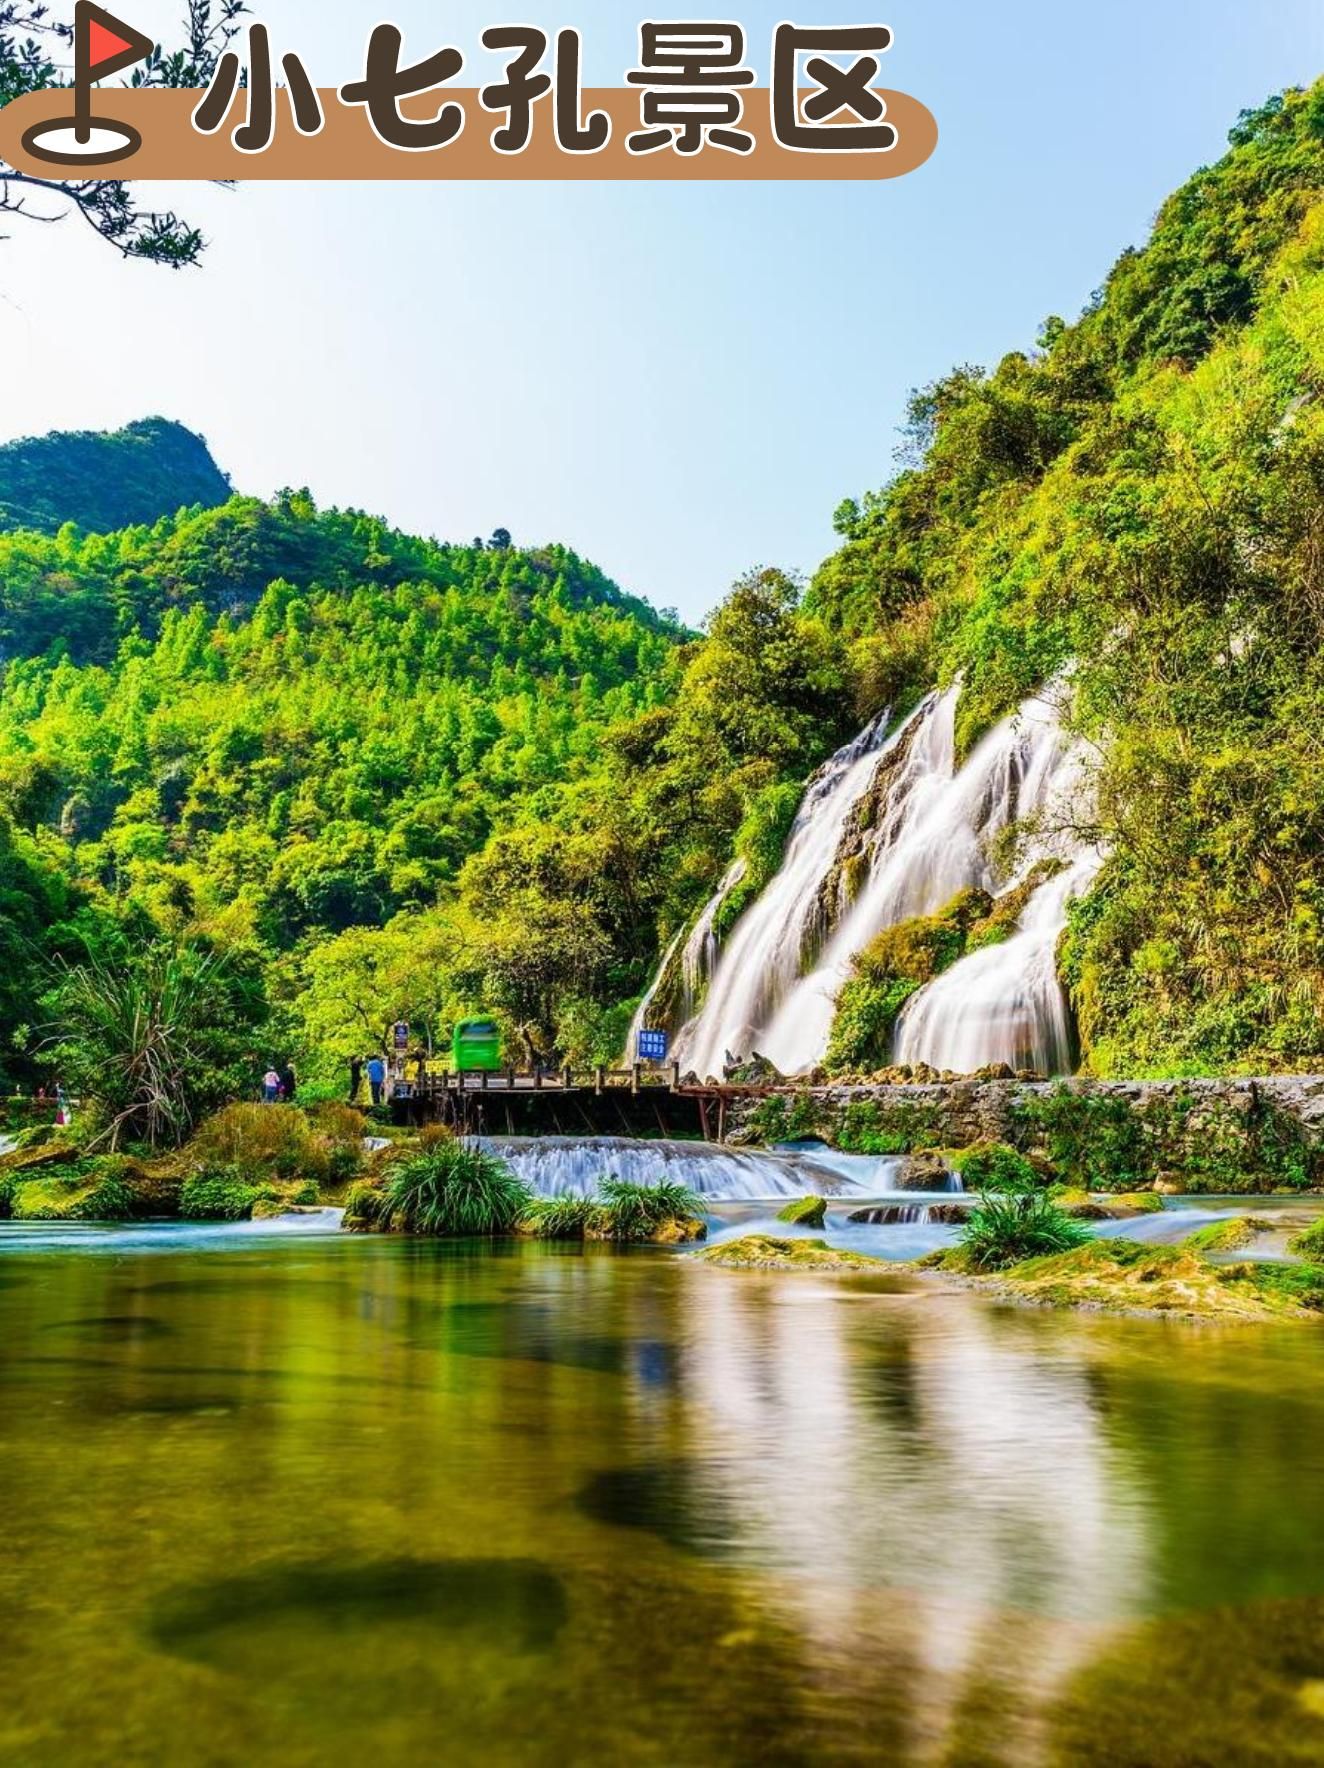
x=573, y=1166
x=889, y=829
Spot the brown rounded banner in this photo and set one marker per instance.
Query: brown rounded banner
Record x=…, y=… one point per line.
x=347, y=147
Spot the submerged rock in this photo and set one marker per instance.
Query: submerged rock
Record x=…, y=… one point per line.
x=761, y=1252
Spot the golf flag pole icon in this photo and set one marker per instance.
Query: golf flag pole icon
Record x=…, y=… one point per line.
x=103, y=45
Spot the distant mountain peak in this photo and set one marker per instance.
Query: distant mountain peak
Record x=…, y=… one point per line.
x=102, y=480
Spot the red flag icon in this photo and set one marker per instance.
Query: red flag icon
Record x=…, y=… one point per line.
x=103, y=44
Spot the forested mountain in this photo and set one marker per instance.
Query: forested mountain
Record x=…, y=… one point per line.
x=410, y=778
x=102, y=481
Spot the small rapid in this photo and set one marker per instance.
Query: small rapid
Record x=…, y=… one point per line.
x=573, y=1166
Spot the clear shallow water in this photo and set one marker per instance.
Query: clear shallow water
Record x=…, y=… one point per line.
x=294, y=1497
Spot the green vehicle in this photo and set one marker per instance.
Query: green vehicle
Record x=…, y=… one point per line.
x=475, y=1043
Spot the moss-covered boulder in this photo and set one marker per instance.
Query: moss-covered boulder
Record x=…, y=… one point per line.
x=761, y=1252
x=1126, y=1276
x=1309, y=1243
x=1228, y=1236
x=804, y=1212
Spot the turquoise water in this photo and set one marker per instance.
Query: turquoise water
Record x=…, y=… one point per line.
x=278, y=1495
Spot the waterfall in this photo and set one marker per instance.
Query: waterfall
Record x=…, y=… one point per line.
x=1004, y=1003
x=641, y=1012
x=573, y=1166
x=698, y=960
x=932, y=836
x=768, y=945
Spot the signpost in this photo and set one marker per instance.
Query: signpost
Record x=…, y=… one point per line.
x=652, y=1046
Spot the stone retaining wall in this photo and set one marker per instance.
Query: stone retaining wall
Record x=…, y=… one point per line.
x=1184, y=1135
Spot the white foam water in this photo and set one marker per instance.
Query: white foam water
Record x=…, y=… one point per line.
x=574, y=1166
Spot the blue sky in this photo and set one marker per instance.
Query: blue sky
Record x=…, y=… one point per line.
x=631, y=368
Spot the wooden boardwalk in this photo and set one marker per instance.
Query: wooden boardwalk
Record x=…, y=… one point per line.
x=597, y=1101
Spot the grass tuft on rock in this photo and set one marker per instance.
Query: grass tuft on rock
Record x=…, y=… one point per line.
x=1008, y=1227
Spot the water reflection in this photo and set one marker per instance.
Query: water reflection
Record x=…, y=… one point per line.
x=547, y=1504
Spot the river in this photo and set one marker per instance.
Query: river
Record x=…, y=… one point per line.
x=288, y=1496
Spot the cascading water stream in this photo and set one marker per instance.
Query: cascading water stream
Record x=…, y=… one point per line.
x=572, y=1166
x=763, y=956
x=1003, y=1004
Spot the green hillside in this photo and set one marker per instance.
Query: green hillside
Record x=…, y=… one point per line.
x=102, y=481
x=410, y=778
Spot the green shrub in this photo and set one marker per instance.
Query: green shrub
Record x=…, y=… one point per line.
x=218, y=1194
x=636, y=1212
x=454, y=1189
x=1095, y=1142
x=365, y=1207
x=869, y=1127
x=283, y=1143
x=993, y=1166
x=1009, y=1227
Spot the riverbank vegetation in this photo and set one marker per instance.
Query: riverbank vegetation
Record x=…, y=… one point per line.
x=394, y=778
x=244, y=1159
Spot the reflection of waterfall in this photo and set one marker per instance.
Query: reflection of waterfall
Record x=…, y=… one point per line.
x=928, y=1492
x=932, y=838
x=1004, y=1003
x=571, y=1166
x=765, y=952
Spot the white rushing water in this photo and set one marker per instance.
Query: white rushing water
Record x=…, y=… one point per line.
x=1004, y=1003
x=763, y=956
x=934, y=837
x=573, y=1166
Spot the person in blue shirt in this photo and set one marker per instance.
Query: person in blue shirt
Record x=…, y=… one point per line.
x=376, y=1078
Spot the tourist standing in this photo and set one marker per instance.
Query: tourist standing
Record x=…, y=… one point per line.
x=288, y=1082
x=376, y=1078
x=355, y=1078
x=271, y=1086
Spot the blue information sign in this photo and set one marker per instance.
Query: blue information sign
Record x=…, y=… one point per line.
x=652, y=1046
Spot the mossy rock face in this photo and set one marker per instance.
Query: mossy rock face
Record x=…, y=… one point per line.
x=1309, y=1243
x=31, y=1160
x=806, y=1212
x=94, y=1190
x=761, y=1252
x=1126, y=1276
x=1228, y=1236
x=1140, y=1202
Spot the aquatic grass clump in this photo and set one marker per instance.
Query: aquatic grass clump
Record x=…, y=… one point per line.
x=1008, y=1227
x=639, y=1212
x=453, y=1190
x=561, y=1218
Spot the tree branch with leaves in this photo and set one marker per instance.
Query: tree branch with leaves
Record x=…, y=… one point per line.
x=31, y=45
